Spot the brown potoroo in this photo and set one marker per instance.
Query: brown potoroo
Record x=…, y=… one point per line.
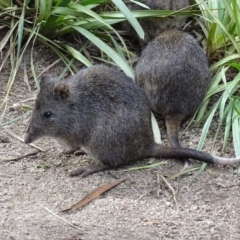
x=107, y=114
x=173, y=70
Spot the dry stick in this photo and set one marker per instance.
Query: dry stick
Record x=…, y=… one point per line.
x=21, y=140
x=88, y=55
x=28, y=99
x=142, y=196
x=21, y=104
x=157, y=189
x=25, y=79
x=47, y=68
x=54, y=214
x=170, y=187
x=158, y=184
x=152, y=190
x=7, y=158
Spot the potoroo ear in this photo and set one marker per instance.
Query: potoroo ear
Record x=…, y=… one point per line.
x=45, y=80
x=61, y=90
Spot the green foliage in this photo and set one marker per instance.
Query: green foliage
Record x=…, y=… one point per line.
x=5, y=4
x=221, y=28
x=46, y=21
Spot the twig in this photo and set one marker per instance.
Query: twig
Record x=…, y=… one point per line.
x=21, y=140
x=170, y=187
x=6, y=158
x=142, y=196
x=158, y=184
x=54, y=214
x=47, y=68
x=25, y=79
x=28, y=99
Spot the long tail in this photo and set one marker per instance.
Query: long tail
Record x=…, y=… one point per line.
x=173, y=124
x=173, y=152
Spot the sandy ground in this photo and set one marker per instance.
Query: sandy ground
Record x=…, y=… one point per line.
x=36, y=188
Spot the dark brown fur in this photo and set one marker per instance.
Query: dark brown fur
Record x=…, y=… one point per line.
x=154, y=26
x=173, y=70
x=105, y=113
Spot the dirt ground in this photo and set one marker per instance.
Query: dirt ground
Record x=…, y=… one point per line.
x=36, y=188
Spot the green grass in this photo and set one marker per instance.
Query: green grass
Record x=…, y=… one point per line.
x=221, y=27
x=46, y=21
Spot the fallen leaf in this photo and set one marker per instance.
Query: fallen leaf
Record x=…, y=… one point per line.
x=94, y=194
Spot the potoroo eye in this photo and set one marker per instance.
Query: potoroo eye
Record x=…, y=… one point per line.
x=47, y=114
